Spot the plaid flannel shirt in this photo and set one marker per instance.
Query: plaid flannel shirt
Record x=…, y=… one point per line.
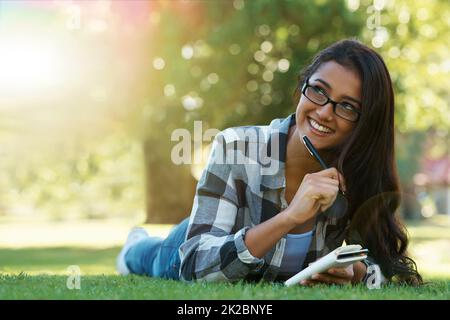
x=233, y=196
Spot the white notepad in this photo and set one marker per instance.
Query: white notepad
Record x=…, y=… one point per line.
x=340, y=257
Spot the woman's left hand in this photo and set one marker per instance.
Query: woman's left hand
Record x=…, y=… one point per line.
x=339, y=276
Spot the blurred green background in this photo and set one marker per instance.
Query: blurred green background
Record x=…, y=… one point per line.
x=91, y=92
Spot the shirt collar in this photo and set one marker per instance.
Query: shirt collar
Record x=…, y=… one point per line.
x=281, y=129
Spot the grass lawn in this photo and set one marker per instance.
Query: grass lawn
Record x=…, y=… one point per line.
x=135, y=287
x=41, y=272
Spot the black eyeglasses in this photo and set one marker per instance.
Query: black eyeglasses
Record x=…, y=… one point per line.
x=343, y=110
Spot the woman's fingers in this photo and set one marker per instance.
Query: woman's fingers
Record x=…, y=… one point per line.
x=327, y=180
x=335, y=275
x=334, y=174
x=339, y=276
x=324, y=208
x=324, y=194
x=330, y=172
x=316, y=193
x=342, y=182
x=329, y=279
x=314, y=282
x=341, y=272
x=323, y=189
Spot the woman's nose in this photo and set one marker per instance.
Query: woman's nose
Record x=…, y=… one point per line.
x=325, y=112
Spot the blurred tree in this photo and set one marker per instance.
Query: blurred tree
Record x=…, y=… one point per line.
x=228, y=64
x=235, y=63
x=415, y=44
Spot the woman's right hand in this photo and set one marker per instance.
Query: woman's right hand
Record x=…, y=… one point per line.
x=316, y=193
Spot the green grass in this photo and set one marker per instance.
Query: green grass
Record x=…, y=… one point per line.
x=41, y=272
x=56, y=260
x=135, y=287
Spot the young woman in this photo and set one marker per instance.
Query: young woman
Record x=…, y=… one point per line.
x=267, y=220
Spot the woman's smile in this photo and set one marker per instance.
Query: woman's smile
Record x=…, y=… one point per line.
x=318, y=128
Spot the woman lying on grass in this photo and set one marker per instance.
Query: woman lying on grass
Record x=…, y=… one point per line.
x=269, y=216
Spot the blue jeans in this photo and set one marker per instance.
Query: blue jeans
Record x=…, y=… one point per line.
x=158, y=257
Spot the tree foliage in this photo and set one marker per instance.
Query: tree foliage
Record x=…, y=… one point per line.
x=232, y=63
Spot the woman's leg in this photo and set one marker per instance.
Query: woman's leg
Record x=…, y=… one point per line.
x=139, y=258
x=167, y=262
x=158, y=257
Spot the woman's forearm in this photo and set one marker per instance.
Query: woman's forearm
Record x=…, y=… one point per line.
x=262, y=237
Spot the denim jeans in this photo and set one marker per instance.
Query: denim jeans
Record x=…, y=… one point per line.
x=158, y=257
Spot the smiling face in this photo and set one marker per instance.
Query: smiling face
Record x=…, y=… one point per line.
x=319, y=123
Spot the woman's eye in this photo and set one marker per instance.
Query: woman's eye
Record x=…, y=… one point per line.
x=348, y=107
x=319, y=90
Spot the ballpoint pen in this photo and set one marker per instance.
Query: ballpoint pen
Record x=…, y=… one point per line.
x=316, y=155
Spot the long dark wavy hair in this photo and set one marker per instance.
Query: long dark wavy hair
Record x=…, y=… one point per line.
x=367, y=161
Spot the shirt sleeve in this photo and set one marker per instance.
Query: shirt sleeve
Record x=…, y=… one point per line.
x=211, y=250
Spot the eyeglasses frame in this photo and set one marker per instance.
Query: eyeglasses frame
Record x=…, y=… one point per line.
x=306, y=85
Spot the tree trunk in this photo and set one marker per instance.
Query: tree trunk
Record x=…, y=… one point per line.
x=170, y=188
